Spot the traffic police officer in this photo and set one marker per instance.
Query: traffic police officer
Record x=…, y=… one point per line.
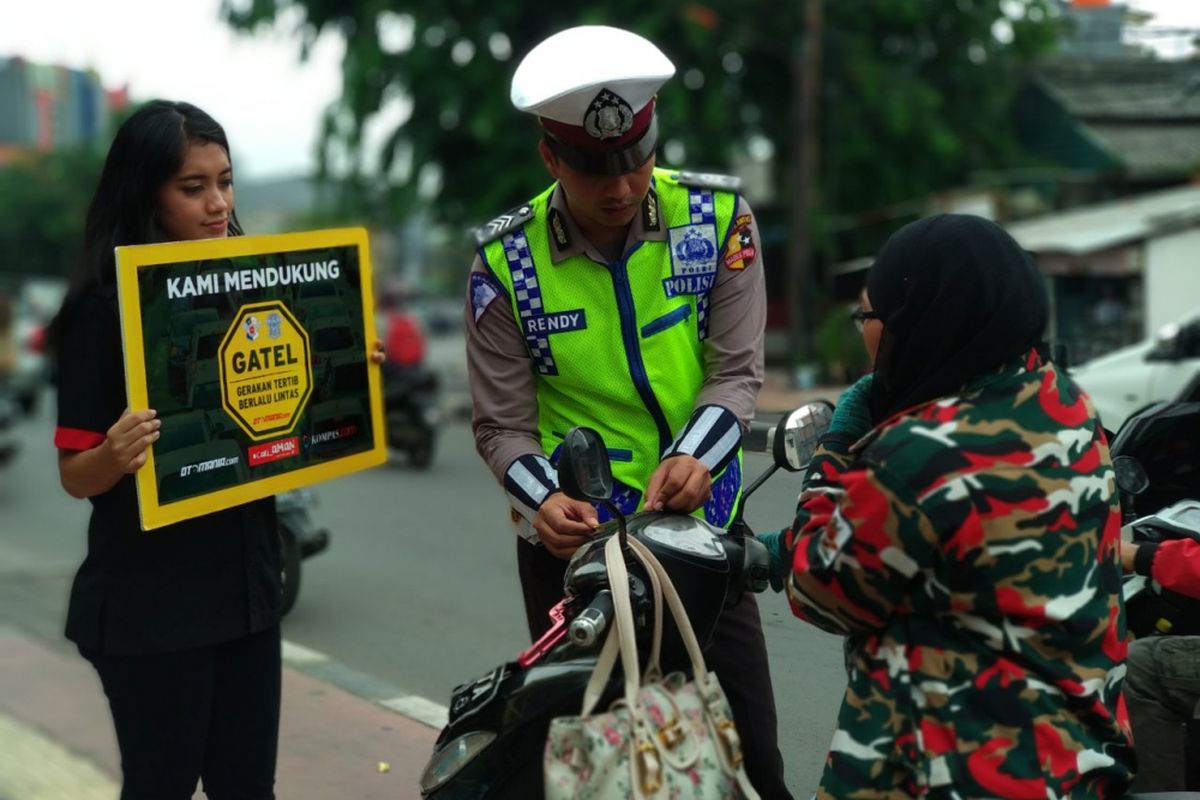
x=628, y=298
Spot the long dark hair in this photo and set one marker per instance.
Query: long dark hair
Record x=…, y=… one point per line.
x=147, y=151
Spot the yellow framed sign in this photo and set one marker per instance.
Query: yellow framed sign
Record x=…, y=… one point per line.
x=254, y=352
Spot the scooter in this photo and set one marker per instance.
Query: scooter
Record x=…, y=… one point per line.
x=493, y=744
x=410, y=398
x=1156, y=458
x=299, y=536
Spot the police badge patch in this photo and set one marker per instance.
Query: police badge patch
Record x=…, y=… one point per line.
x=693, y=249
x=693, y=259
x=608, y=116
x=484, y=290
x=740, y=249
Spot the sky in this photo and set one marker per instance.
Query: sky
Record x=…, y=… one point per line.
x=255, y=85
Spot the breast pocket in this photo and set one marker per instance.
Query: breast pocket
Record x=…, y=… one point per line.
x=673, y=317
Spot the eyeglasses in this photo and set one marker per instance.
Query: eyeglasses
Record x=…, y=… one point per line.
x=860, y=317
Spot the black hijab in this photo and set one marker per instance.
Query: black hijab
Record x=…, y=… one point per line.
x=958, y=298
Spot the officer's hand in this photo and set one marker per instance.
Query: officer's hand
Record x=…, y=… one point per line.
x=130, y=436
x=681, y=483
x=1128, y=552
x=564, y=525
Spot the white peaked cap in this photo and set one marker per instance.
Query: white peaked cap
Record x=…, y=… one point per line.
x=561, y=76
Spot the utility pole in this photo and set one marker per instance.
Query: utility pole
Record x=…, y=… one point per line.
x=806, y=100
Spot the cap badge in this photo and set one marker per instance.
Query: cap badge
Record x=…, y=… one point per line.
x=608, y=116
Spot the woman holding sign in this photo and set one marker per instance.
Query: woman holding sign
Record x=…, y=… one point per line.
x=181, y=623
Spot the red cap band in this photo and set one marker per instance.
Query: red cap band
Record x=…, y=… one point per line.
x=577, y=135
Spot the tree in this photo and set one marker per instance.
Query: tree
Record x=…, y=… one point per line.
x=914, y=92
x=43, y=202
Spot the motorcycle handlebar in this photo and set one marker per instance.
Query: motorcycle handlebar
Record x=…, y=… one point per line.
x=586, y=629
x=758, y=438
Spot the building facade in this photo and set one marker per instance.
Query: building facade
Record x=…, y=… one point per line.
x=46, y=106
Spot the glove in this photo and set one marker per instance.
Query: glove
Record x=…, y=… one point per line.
x=779, y=563
x=852, y=417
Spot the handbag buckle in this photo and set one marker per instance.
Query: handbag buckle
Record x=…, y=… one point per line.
x=671, y=735
x=649, y=767
x=730, y=741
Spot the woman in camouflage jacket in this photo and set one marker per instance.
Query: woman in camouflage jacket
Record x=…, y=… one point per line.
x=961, y=522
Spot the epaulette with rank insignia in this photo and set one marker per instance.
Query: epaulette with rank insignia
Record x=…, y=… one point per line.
x=710, y=180
x=508, y=221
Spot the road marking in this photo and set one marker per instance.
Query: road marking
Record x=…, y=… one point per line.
x=33, y=767
x=418, y=708
x=415, y=707
x=299, y=654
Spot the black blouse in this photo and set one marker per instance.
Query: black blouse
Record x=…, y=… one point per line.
x=202, y=581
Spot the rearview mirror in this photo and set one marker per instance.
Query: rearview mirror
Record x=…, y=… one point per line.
x=1166, y=344
x=1131, y=476
x=798, y=434
x=584, y=472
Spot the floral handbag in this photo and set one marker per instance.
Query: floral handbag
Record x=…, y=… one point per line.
x=667, y=737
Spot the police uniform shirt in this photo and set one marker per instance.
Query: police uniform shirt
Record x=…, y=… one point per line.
x=198, y=582
x=503, y=383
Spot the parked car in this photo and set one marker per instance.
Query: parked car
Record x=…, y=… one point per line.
x=1132, y=378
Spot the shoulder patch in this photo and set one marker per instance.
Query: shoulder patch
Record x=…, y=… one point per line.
x=506, y=222
x=710, y=180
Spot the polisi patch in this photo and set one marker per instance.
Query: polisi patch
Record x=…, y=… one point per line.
x=555, y=322
x=693, y=249
x=689, y=284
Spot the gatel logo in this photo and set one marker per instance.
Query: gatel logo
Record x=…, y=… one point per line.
x=265, y=383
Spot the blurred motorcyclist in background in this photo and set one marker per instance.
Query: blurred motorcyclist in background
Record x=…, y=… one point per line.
x=1162, y=681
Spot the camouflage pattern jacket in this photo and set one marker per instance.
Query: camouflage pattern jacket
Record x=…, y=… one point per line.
x=970, y=545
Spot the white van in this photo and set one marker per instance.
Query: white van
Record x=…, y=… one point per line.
x=1151, y=371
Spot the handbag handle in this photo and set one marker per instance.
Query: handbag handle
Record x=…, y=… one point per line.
x=622, y=627
x=620, y=638
x=653, y=667
x=608, y=653
x=682, y=622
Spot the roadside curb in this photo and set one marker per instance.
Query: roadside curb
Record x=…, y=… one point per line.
x=321, y=667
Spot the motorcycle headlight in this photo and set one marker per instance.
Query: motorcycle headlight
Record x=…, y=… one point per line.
x=447, y=762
